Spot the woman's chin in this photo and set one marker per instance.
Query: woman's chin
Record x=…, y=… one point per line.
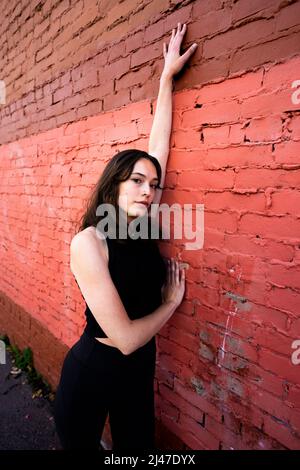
x=137, y=212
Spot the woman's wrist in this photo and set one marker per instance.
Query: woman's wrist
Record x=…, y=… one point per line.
x=166, y=78
x=171, y=303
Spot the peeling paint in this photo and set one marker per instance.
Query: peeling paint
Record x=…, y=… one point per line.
x=235, y=386
x=205, y=352
x=204, y=335
x=218, y=391
x=198, y=385
x=242, y=302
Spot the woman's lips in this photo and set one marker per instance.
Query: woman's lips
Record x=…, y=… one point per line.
x=144, y=203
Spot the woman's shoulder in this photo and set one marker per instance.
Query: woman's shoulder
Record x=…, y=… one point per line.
x=89, y=239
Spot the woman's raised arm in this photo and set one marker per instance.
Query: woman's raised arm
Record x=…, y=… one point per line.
x=159, y=141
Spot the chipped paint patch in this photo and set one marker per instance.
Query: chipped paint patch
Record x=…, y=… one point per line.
x=198, y=385
x=242, y=302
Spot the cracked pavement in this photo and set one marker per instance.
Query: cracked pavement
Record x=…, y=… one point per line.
x=26, y=422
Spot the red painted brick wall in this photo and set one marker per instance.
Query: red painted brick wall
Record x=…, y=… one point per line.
x=81, y=80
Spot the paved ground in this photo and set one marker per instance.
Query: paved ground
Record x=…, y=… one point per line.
x=26, y=422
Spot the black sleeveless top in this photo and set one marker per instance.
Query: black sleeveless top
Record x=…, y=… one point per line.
x=138, y=273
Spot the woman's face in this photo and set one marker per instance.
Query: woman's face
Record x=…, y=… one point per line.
x=137, y=193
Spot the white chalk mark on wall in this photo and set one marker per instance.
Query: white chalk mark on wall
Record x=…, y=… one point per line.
x=2, y=92
x=228, y=329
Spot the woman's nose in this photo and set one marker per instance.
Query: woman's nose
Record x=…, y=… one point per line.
x=146, y=188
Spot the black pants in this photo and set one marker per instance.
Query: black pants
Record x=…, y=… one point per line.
x=97, y=380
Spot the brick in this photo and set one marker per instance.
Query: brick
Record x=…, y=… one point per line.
x=133, y=112
x=275, y=407
x=211, y=114
x=134, y=42
x=281, y=366
x=121, y=133
x=214, y=136
x=199, y=8
x=186, y=308
x=183, y=337
x=72, y=102
x=243, y=156
x=294, y=127
x=294, y=330
x=88, y=79
x=144, y=126
x=209, y=297
x=208, y=439
x=75, y=128
x=223, y=434
x=270, y=317
x=288, y=16
x=59, y=10
x=285, y=299
x=244, y=9
x=287, y=152
x=91, y=137
x=264, y=129
x=155, y=31
x=210, y=24
x=187, y=140
x=182, y=355
x=293, y=394
x=146, y=54
x=277, y=227
x=265, y=380
x=133, y=78
x=211, y=70
x=223, y=222
x=165, y=377
x=249, y=33
x=193, y=442
x=206, y=180
x=279, y=74
x=268, y=52
x=117, y=100
x=180, y=15
x=273, y=340
x=172, y=426
x=234, y=202
x=284, y=277
x=256, y=439
x=63, y=93
x=148, y=90
x=272, y=103
x=281, y=433
x=41, y=27
x=89, y=109
x=262, y=179
x=119, y=11
x=182, y=323
x=180, y=404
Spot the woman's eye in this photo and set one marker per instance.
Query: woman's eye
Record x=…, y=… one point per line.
x=139, y=181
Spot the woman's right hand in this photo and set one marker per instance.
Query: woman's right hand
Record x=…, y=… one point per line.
x=173, y=60
x=174, y=287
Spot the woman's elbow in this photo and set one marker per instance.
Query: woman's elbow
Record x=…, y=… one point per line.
x=126, y=349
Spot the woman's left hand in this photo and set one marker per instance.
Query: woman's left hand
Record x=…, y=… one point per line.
x=173, y=60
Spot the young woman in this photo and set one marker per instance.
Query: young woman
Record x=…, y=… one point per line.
x=129, y=295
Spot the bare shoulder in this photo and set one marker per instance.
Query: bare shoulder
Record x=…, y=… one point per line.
x=88, y=243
